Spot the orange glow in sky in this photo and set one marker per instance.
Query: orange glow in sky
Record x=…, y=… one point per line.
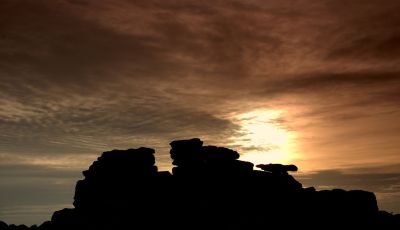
x=263, y=139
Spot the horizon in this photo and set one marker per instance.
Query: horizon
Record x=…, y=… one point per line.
x=310, y=83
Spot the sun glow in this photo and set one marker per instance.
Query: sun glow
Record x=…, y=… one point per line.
x=263, y=138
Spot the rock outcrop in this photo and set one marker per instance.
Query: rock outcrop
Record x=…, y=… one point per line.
x=209, y=188
x=211, y=162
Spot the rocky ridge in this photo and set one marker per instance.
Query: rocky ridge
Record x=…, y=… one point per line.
x=209, y=188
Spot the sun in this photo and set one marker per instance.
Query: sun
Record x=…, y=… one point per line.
x=262, y=138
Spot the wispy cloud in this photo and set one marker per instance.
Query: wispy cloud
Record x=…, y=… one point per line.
x=78, y=77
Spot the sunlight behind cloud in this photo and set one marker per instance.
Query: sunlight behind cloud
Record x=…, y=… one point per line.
x=263, y=139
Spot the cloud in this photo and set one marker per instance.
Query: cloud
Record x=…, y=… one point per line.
x=81, y=51
x=84, y=76
x=335, y=83
x=378, y=182
x=80, y=77
x=369, y=31
x=31, y=192
x=167, y=69
x=76, y=76
x=68, y=50
x=386, y=185
x=29, y=214
x=82, y=131
x=35, y=171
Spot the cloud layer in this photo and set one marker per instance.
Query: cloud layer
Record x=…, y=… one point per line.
x=80, y=77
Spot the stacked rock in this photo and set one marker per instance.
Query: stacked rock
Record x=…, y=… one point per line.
x=208, y=183
x=278, y=177
x=187, y=152
x=192, y=158
x=119, y=185
x=278, y=168
x=209, y=189
x=123, y=163
x=114, y=168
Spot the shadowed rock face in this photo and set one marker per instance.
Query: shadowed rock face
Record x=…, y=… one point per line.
x=110, y=179
x=209, y=189
x=195, y=160
x=278, y=168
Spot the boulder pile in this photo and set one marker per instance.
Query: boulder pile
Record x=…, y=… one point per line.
x=194, y=159
x=209, y=188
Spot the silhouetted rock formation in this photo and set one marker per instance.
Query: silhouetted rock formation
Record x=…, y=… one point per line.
x=278, y=168
x=3, y=225
x=194, y=159
x=121, y=186
x=113, y=176
x=209, y=189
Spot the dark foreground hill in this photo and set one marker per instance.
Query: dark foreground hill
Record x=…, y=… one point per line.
x=209, y=188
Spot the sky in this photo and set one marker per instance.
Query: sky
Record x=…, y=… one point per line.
x=307, y=82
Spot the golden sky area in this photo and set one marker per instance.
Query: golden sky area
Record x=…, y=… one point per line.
x=311, y=83
x=259, y=134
